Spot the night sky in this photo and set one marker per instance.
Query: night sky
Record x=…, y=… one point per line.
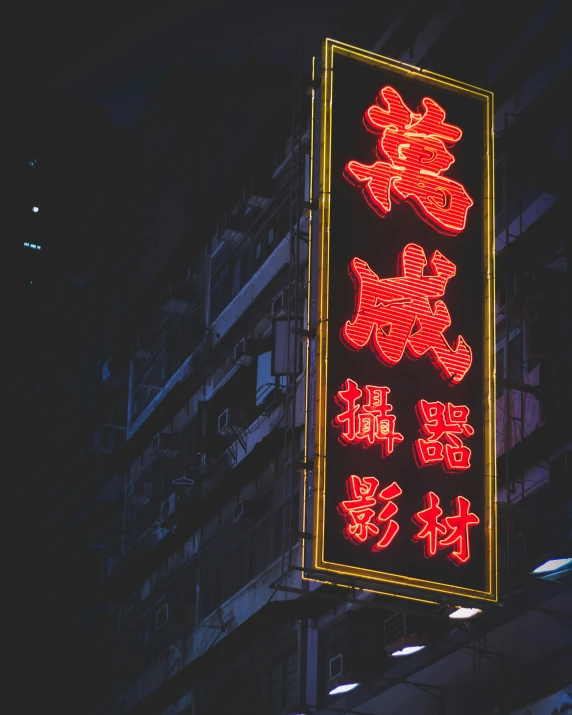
x=116, y=54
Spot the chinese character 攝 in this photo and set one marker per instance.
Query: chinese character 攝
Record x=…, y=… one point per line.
x=413, y=154
x=368, y=423
x=404, y=314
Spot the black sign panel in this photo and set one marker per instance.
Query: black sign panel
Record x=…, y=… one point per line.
x=405, y=461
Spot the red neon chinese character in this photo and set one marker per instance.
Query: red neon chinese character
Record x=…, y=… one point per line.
x=401, y=314
x=444, y=426
x=414, y=155
x=369, y=423
x=359, y=513
x=431, y=528
x=453, y=530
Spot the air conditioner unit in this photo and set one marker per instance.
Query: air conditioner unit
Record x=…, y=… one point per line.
x=244, y=352
x=166, y=444
x=246, y=509
x=229, y=231
x=279, y=305
x=168, y=507
x=230, y=420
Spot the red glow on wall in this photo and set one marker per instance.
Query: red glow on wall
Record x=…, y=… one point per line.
x=413, y=154
x=359, y=511
x=443, y=427
x=404, y=314
x=370, y=422
x=450, y=531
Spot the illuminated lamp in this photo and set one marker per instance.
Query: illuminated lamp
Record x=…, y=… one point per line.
x=344, y=685
x=461, y=613
x=552, y=566
x=408, y=645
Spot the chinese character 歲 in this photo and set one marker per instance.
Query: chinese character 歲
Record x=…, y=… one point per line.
x=413, y=154
x=443, y=428
x=359, y=513
x=404, y=314
x=453, y=530
x=367, y=423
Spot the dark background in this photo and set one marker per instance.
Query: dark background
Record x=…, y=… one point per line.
x=356, y=230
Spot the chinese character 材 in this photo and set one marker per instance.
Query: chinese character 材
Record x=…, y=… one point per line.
x=453, y=530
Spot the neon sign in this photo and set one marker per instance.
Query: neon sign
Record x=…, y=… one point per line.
x=414, y=145
x=403, y=480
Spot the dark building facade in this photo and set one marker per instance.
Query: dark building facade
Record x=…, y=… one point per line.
x=188, y=596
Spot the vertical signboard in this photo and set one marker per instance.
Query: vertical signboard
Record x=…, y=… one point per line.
x=404, y=467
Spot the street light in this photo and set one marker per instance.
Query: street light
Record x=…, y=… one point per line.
x=552, y=565
x=407, y=650
x=461, y=613
x=343, y=688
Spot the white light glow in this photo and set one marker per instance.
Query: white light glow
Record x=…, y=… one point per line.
x=35, y=209
x=464, y=613
x=553, y=565
x=408, y=650
x=338, y=690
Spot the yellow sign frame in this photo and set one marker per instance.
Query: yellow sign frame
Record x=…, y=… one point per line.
x=332, y=49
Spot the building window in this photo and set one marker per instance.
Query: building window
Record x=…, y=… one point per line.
x=265, y=381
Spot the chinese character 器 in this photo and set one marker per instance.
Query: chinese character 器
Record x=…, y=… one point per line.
x=443, y=428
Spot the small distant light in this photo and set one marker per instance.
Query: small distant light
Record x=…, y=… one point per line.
x=553, y=565
x=463, y=614
x=35, y=209
x=26, y=244
x=408, y=650
x=339, y=689
x=32, y=245
x=32, y=162
x=30, y=282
